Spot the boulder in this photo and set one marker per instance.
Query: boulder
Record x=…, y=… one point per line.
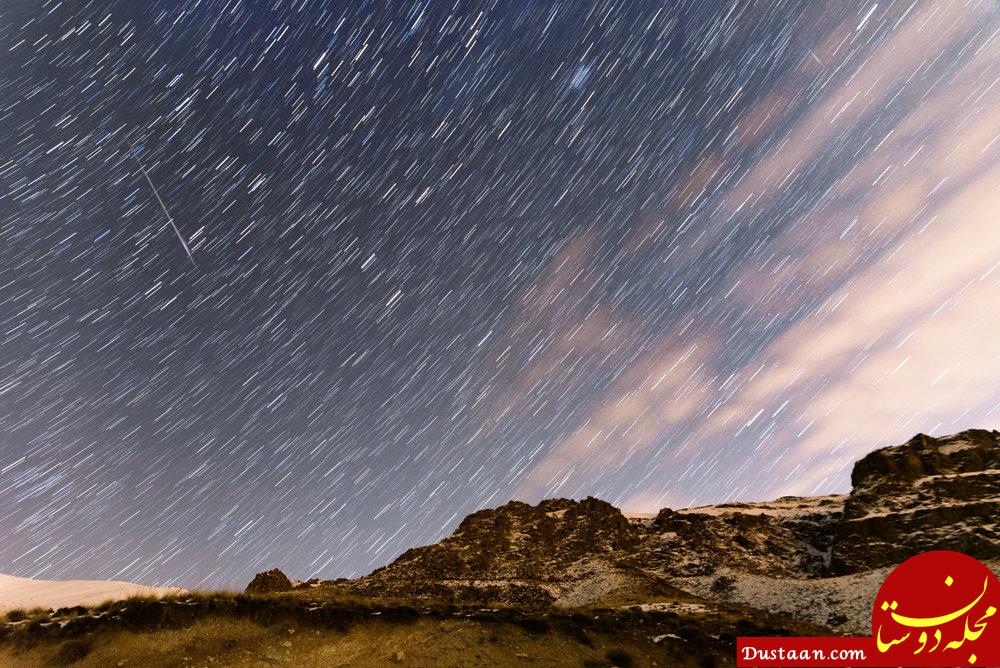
x=268, y=582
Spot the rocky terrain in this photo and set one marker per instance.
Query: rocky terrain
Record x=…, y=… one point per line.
x=818, y=559
x=568, y=582
x=929, y=493
x=566, y=552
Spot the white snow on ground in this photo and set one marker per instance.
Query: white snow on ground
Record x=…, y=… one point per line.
x=947, y=476
x=955, y=446
x=672, y=606
x=588, y=581
x=822, y=601
x=882, y=512
x=846, y=599
x=25, y=593
x=789, y=506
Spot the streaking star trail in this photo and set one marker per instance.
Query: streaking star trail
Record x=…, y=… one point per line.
x=159, y=199
x=659, y=253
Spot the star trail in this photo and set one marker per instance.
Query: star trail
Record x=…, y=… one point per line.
x=405, y=260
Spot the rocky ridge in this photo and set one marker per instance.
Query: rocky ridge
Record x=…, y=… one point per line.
x=929, y=493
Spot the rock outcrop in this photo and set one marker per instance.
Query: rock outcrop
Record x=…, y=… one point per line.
x=517, y=554
x=790, y=537
x=522, y=542
x=926, y=494
x=269, y=582
x=929, y=493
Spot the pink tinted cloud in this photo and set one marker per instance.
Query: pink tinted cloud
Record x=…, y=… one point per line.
x=904, y=339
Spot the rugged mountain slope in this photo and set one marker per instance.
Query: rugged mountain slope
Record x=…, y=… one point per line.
x=569, y=552
x=929, y=493
x=520, y=554
x=583, y=552
x=926, y=494
x=790, y=537
x=523, y=542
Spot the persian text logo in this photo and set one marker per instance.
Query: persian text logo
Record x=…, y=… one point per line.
x=939, y=603
x=937, y=609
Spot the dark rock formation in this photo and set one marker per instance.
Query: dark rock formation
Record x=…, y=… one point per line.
x=929, y=493
x=268, y=582
x=790, y=537
x=926, y=494
x=308, y=584
x=510, y=555
x=521, y=542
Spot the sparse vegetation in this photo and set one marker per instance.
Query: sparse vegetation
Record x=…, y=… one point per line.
x=23, y=615
x=723, y=585
x=620, y=658
x=151, y=614
x=533, y=624
x=240, y=629
x=72, y=651
x=836, y=620
x=15, y=615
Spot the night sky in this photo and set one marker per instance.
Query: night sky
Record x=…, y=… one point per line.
x=446, y=254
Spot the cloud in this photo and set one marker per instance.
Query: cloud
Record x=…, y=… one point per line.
x=888, y=285
x=667, y=386
x=931, y=306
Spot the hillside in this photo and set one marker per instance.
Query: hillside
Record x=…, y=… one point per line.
x=822, y=557
x=570, y=583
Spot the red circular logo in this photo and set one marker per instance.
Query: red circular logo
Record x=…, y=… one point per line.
x=941, y=605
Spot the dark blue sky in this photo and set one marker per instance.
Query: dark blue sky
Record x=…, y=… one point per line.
x=450, y=254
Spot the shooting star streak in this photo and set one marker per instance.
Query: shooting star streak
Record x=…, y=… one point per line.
x=162, y=206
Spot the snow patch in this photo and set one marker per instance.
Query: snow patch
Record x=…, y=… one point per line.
x=18, y=593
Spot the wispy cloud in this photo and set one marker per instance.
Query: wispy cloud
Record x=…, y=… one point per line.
x=887, y=283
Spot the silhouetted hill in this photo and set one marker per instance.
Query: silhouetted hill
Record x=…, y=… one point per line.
x=929, y=493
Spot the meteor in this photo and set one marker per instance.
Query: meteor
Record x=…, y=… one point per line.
x=160, y=200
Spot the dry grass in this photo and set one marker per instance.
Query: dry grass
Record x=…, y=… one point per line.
x=233, y=629
x=146, y=614
x=23, y=614
x=455, y=641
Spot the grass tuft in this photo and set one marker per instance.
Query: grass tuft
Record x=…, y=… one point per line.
x=71, y=651
x=620, y=658
x=18, y=615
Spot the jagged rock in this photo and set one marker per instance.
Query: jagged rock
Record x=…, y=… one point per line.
x=929, y=493
x=926, y=494
x=520, y=542
x=269, y=581
x=788, y=537
x=516, y=554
